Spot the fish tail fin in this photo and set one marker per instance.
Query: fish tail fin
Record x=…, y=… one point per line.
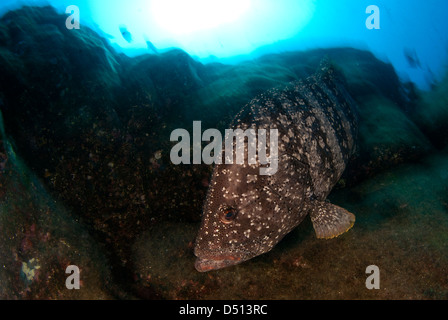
x=330, y=221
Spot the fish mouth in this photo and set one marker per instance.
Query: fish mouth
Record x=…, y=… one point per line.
x=219, y=262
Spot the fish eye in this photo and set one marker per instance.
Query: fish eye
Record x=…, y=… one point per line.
x=228, y=215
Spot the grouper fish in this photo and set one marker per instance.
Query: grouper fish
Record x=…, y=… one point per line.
x=246, y=214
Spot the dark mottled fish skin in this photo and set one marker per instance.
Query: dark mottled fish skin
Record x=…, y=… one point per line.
x=247, y=214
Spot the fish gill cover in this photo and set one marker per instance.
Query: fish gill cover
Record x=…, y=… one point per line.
x=86, y=178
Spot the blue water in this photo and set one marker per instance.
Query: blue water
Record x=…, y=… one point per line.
x=412, y=35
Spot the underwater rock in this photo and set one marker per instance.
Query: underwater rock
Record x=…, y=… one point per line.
x=431, y=113
x=166, y=80
x=39, y=239
x=387, y=137
x=50, y=93
x=172, y=276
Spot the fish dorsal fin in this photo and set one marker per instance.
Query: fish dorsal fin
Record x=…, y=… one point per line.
x=329, y=220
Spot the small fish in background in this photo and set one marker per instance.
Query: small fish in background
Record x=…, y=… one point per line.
x=246, y=214
x=150, y=46
x=412, y=58
x=125, y=33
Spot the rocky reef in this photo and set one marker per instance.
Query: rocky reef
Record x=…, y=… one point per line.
x=86, y=178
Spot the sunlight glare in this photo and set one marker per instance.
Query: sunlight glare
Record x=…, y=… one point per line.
x=180, y=17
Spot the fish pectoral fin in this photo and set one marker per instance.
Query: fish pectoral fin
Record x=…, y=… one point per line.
x=330, y=221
